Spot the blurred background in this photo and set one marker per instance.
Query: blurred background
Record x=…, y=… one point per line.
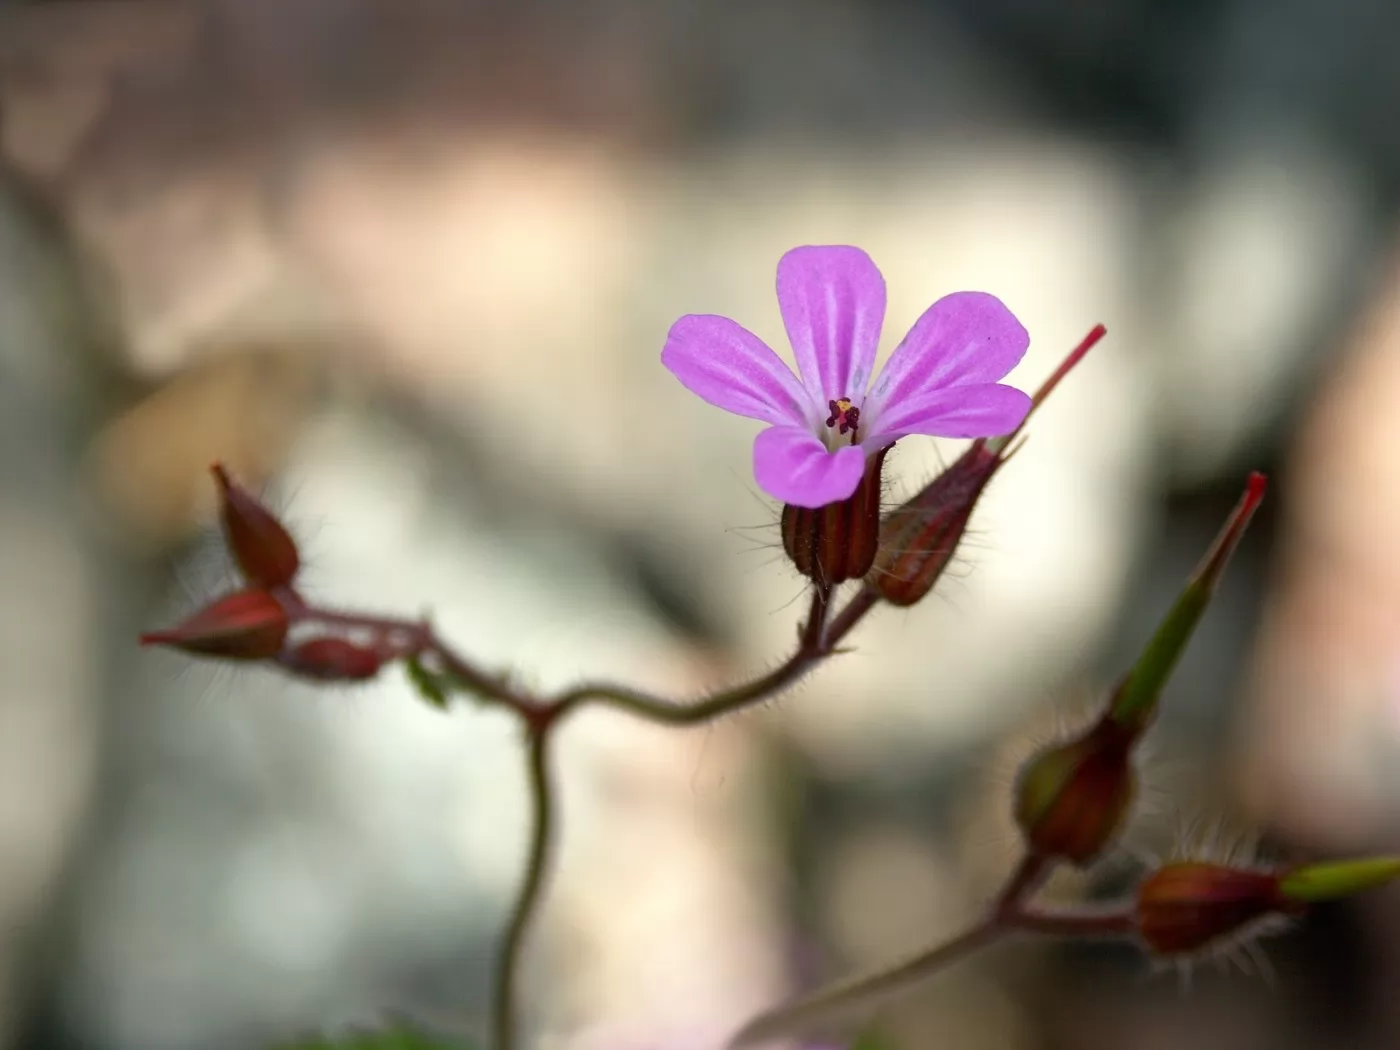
x=407, y=266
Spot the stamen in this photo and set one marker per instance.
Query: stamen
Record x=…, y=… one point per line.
x=844, y=417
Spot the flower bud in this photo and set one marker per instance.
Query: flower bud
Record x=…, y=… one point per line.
x=264, y=550
x=917, y=540
x=1188, y=906
x=837, y=542
x=245, y=625
x=1072, y=798
x=332, y=660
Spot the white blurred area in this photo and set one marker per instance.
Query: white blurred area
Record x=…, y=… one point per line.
x=441, y=339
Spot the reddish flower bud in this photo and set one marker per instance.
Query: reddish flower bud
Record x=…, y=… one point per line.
x=1185, y=907
x=244, y=625
x=917, y=540
x=332, y=660
x=837, y=542
x=1072, y=799
x=264, y=549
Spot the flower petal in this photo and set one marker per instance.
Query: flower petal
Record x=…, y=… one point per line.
x=730, y=367
x=966, y=337
x=833, y=304
x=793, y=466
x=972, y=411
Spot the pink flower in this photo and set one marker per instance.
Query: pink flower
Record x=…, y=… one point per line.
x=940, y=380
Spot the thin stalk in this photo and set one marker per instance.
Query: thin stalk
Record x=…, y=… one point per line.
x=504, y=1005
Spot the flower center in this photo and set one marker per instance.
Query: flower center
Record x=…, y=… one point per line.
x=844, y=416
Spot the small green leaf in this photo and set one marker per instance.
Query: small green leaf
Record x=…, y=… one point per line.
x=387, y=1039
x=430, y=686
x=1325, y=882
x=873, y=1039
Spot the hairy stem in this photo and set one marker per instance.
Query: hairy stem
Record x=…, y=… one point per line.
x=815, y=644
x=854, y=611
x=503, y=1009
x=1024, y=881
x=1115, y=920
x=1008, y=915
x=864, y=993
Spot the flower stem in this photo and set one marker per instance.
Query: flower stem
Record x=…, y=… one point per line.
x=1008, y=915
x=864, y=993
x=851, y=614
x=816, y=643
x=1024, y=881
x=1116, y=920
x=503, y=1009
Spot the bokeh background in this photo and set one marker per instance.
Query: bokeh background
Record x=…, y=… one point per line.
x=408, y=266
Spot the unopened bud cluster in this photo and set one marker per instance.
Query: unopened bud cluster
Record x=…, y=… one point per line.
x=266, y=620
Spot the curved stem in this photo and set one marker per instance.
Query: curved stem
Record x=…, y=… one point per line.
x=816, y=643
x=1008, y=915
x=503, y=1008
x=864, y=993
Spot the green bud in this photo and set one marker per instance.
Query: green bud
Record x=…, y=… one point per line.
x=1335, y=879
x=1135, y=701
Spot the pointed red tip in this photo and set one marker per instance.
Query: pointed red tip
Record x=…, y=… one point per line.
x=1229, y=537
x=1067, y=365
x=263, y=548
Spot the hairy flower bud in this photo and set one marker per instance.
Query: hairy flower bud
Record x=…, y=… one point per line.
x=918, y=539
x=1189, y=906
x=332, y=660
x=1072, y=798
x=264, y=550
x=837, y=542
x=245, y=625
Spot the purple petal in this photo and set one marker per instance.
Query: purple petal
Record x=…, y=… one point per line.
x=977, y=410
x=791, y=465
x=966, y=337
x=730, y=367
x=833, y=304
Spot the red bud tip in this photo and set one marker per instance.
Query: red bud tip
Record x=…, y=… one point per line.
x=1213, y=565
x=332, y=660
x=998, y=444
x=244, y=625
x=264, y=550
x=1067, y=365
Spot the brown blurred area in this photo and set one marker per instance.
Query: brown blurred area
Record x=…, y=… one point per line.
x=408, y=264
